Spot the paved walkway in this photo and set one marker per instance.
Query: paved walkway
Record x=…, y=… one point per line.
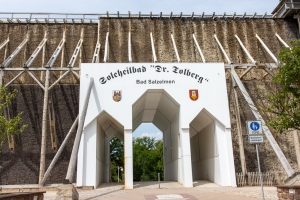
x=172, y=191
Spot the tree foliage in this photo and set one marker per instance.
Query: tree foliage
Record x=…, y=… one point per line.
x=8, y=126
x=284, y=103
x=116, y=158
x=147, y=158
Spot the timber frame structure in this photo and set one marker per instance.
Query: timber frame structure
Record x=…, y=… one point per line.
x=52, y=72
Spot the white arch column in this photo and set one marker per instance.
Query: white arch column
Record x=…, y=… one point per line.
x=128, y=160
x=187, y=178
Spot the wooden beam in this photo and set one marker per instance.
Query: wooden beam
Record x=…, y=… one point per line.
x=222, y=49
x=153, y=48
x=239, y=128
x=57, y=50
x=284, y=162
x=297, y=147
x=19, y=81
x=281, y=40
x=175, y=48
x=199, y=49
x=35, y=79
x=16, y=77
x=16, y=52
x=245, y=50
x=246, y=72
x=73, y=159
x=3, y=44
x=52, y=125
x=58, y=153
x=106, y=48
x=129, y=47
x=267, y=49
x=60, y=78
x=36, y=52
x=44, y=127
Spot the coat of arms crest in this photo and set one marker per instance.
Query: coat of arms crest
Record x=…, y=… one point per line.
x=117, y=95
x=194, y=95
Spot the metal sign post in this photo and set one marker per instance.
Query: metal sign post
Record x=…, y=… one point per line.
x=158, y=180
x=255, y=136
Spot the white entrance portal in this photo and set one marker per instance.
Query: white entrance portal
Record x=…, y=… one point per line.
x=188, y=102
x=158, y=107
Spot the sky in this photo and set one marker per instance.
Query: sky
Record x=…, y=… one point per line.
x=145, y=7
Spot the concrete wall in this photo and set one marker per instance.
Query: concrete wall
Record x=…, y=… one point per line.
x=103, y=157
x=93, y=157
x=205, y=155
x=172, y=150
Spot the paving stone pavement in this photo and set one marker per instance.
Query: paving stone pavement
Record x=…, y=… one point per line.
x=172, y=191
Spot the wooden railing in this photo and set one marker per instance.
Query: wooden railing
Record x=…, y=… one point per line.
x=252, y=179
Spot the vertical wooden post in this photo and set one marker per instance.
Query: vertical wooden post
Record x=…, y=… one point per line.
x=297, y=147
x=44, y=127
x=5, y=51
x=62, y=59
x=52, y=123
x=43, y=62
x=239, y=128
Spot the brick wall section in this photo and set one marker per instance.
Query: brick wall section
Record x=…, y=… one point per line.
x=290, y=192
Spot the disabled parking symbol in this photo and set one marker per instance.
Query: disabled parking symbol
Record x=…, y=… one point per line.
x=254, y=126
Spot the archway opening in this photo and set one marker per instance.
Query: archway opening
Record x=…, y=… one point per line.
x=116, y=160
x=158, y=107
x=148, y=162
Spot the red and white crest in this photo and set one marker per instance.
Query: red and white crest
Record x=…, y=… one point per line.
x=117, y=95
x=194, y=95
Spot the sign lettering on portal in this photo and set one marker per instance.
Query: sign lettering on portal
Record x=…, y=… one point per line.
x=157, y=69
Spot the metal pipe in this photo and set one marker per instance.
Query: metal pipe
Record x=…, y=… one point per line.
x=58, y=153
x=158, y=178
x=73, y=158
x=260, y=176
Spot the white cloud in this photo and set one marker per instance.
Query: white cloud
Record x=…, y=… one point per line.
x=157, y=135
